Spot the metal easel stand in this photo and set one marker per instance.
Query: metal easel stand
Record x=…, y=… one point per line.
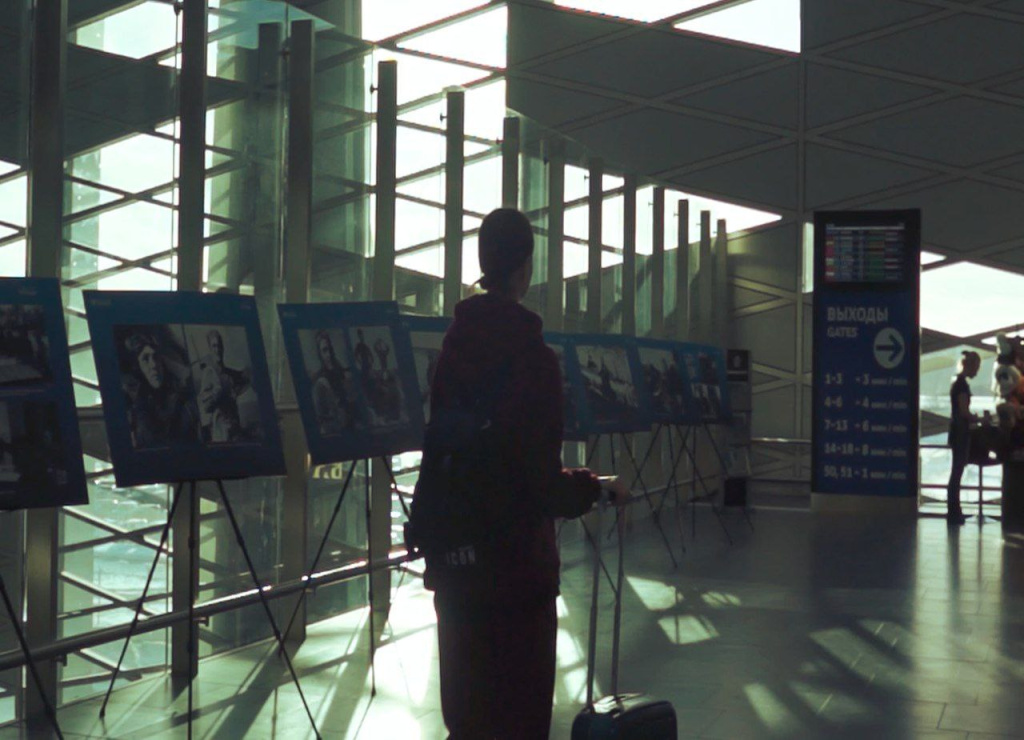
x=29, y=660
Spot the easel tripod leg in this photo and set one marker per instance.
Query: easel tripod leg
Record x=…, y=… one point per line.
x=142, y=599
x=321, y=548
x=263, y=600
x=33, y=671
x=647, y=497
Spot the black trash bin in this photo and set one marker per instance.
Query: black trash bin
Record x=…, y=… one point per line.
x=1013, y=495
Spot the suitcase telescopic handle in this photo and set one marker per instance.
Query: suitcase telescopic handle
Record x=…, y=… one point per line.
x=592, y=636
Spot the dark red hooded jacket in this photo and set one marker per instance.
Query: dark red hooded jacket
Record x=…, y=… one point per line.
x=491, y=336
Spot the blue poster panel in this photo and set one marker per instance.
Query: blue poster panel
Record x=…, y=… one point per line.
x=707, y=384
x=609, y=385
x=426, y=333
x=186, y=391
x=665, y=383
x=866, y=352
x=40, y=448
x=560, y=344
x=354, y=373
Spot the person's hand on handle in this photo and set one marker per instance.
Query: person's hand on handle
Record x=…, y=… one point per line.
x=614, y=490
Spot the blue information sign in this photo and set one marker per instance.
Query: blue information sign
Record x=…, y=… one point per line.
x=866, y=352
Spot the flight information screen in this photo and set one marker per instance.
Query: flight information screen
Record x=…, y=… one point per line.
x=866, y=254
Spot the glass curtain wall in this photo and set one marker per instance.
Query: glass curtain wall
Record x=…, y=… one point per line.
x=15, y=60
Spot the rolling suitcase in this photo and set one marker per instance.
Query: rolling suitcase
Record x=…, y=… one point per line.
x=619, y=716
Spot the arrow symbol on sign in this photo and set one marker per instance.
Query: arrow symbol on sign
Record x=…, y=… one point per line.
x=894, y=349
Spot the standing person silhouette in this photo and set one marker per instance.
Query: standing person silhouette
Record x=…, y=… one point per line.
x=959, y=431
x=497, y=633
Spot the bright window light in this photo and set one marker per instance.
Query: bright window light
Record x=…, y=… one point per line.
x=647, y=11
x=965, y=299
x=7, y=168
x=772, y=23
x=139, y=31
x=419, y=77
x=14, y=201
x=12, y=259
x=577, y=184
x=386, y=18
x=425, y=261
x=929, y=258
x=481, y=39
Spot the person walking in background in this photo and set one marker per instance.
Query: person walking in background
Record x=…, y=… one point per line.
x=496, y=619
x=960, y=420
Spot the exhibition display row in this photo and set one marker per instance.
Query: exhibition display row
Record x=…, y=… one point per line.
x=187, y=393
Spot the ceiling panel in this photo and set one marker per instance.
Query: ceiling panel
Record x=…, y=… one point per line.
x=555, y=105
x=536, y=31
x=769, y=178
x=963, y=215
x=961, y=49
x=838, y=94
x=769, y=97
x=654, y=141
x=834, y=176
x=828, y=21
x=653, y=63
x=961, y=132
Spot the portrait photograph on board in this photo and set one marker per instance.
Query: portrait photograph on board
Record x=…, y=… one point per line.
x=40, y=449
x=24, y=346
x=229, y=407
x=31, y=448
x=663, y=380
x=332, y=385
x=355, y=382
x=570, y=407
x=610, y=378
x=426, y=334
x=705, y=371
x=185, y=385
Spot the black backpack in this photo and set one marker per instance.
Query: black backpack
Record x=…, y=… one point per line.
x=462, y=502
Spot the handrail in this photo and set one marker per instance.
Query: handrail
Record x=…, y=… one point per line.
x=60, y=649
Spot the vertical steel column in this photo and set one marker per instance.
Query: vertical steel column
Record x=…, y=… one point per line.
x=555, y=308
x=705, y=285
x=266, y=257
x=683, y=293
x=192, y=149
x=595, y=226
x=629, y=256
x=454, y=172
x=720, y=296
x=299, y=223
x=191, y=211
x=44, y=250
x=510, y=150
x=387, y=155
x=658, y=265
x=297, y=256
x=384, y=290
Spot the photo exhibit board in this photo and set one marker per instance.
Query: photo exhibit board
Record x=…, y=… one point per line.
x=426, y=334
x=355, y=379
x=665, y=382
x=608, y=384
x=40, y=446
x=866, y=352
x=560, y=344
x=706, y=382
x=185, y=386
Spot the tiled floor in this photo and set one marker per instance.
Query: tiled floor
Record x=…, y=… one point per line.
x=831, y=627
